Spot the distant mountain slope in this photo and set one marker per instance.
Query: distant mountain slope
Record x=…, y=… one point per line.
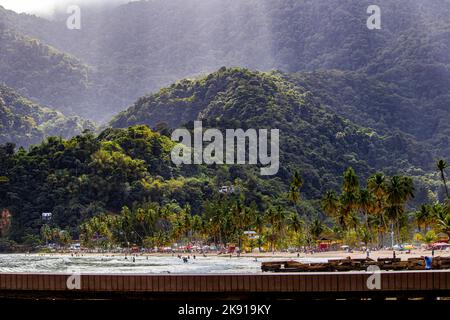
x=145, y=45
x=381, y=105
x=23, y=122
x=313, y=138
x=393, y=79
x=42, y=73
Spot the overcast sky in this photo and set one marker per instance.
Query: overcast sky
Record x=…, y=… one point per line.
x=48, y=7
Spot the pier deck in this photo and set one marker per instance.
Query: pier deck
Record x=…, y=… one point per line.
x=331, y=285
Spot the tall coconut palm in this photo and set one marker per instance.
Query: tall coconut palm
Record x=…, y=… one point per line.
x=259, y=224
x=441, y=165
x=399, y=191
x=316, y=228
x=423, y=216
x=47, y=233
x=331, y=206
x=377, y=185
x=276, y=217
x=443, y=217
x=242, y=218
x=349, y=204
x=295, y=222
x=350, y=195
x=351, y=181
x=294, y=188
x=366, y=205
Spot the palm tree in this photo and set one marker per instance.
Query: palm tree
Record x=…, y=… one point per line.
x=366, y=204
x=196, y=226
x=295, y=222
x=331, y=204
x=349, y=204
x=423, y=216
x=351, y=181
x=276, y=218
x=316, y=228
x=377, y=222
x=377, y=185
x=294, y=189
x=443, y=219
x=441, y=166
x=350, y=196
x=46, y=233
x=241, y=219
x=259, y=224
x=366, y=236
x=399, y=191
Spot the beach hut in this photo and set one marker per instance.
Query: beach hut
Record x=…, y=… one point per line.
x=328, y=244
x=442, y=237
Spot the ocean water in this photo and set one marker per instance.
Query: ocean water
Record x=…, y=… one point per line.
x=143, y=264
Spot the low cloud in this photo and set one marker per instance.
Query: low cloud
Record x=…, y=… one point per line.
x=48, y=8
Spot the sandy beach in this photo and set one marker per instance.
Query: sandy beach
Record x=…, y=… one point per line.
x=404, y=255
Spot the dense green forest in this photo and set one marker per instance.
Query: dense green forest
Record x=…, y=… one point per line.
x=363, y=114
x=359, y=214
x=120, y=189
x=142, y=46
x=42, y=73
x=89, y=175
x=27, y=123
x=369, y=102
x=313, y=138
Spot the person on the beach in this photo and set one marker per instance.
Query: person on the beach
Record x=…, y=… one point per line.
x=428, y=263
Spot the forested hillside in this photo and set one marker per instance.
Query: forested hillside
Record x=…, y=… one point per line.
x=313, y=138
x=348, y=101
x=372, y=103
x=142, y=46
x=122, y=185
x=25, y=122
x=88, y=176
x=41, y=73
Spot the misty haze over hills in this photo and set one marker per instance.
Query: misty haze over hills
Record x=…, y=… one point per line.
x=126, y=51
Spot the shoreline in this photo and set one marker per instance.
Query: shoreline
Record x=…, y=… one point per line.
x=403, y=255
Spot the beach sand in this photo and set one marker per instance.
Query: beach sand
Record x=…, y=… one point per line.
x=404, y=255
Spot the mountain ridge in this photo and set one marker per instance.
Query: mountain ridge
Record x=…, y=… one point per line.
x=25, y=123
x=313, y=138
